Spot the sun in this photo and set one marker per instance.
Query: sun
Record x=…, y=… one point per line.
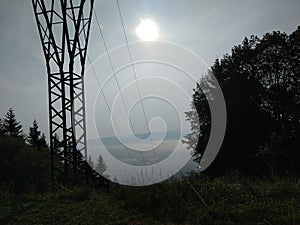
x=147, y=30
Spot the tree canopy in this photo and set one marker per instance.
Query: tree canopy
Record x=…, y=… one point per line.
x=260, y=81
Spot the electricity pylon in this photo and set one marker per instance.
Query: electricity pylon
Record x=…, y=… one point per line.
x=64, y=27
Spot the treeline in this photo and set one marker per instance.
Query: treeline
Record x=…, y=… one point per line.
x=25, y=163
x=260, y=81
x=25, y=158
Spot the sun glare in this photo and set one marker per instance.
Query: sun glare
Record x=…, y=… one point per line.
x=147, y=30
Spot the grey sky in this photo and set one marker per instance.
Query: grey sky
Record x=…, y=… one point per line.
x=208, y=28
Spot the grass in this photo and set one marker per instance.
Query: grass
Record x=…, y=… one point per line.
x=211, y=201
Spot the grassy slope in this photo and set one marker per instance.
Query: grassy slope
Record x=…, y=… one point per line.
x=226, y=201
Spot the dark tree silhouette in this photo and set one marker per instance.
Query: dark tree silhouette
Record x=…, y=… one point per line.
x=34, y=133
x=11, y=126
x=199, y=118
x=34, y=137
x=260, y=81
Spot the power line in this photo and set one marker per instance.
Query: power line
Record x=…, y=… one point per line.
x=135, y=77
x=106, y=102
x=133, y=68
x=113, y=71
x=116, y=79
x=117, y=82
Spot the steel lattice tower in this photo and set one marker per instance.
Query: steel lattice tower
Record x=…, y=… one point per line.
x=64, y=27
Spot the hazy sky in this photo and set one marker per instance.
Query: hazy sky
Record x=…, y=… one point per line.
x=208, y=28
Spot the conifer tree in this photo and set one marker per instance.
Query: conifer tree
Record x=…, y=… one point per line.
x=11, y=126
x=35, y=138
x=101, y=166
x=34, y=134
